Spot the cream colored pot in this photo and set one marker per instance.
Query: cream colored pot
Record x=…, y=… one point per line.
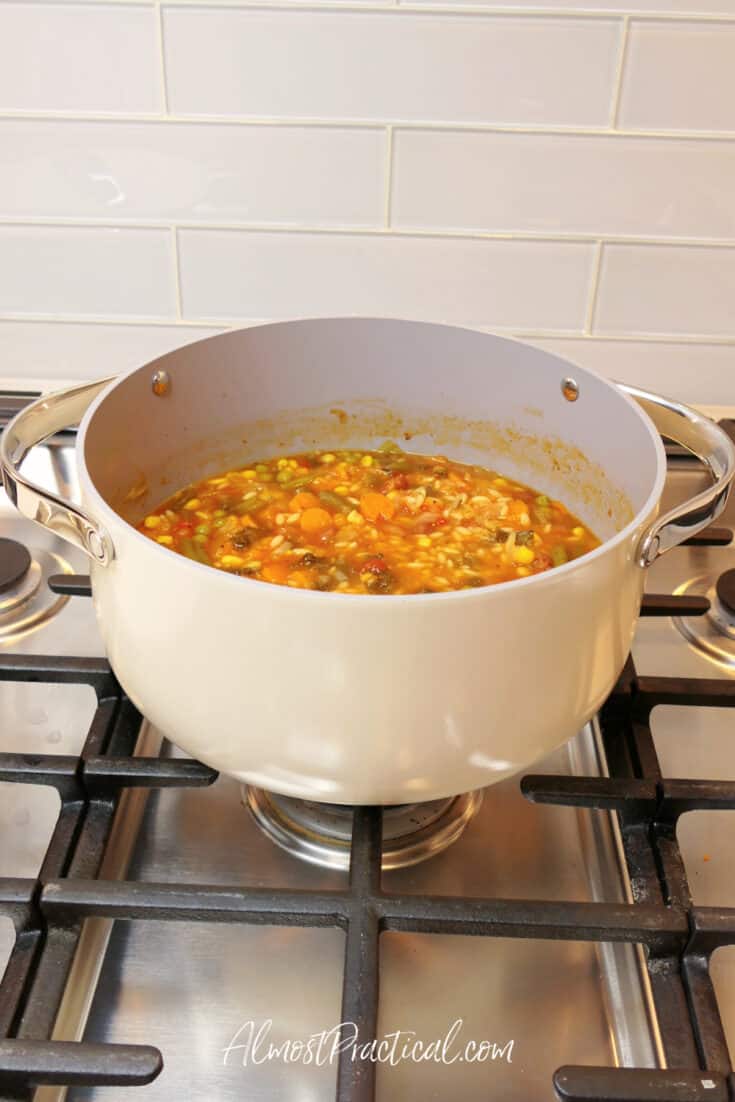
x=363, y=699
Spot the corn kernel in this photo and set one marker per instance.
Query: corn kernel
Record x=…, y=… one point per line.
x=165, y=540
x=281, y=464
x=342, y=490
x=328, y=458
x=193, y=503
x=578, y=532
x=523, y=555
x=152, y=522
x=355, y=518
x=231, y=560
x=366, y=461
x=248, y=474
x=423, y=541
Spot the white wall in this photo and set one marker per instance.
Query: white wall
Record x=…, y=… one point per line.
x=563, y=173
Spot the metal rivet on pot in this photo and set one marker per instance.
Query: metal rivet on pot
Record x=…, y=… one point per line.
x=94, y=542
x=570, y=390
x=161, y=383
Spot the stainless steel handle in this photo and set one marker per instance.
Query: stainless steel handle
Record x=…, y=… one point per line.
x=705, y=439
x=30, y=427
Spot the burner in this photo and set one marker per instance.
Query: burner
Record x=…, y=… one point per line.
x=25, y=598
x=15, y=562
x=714, y=633
x=321, y=833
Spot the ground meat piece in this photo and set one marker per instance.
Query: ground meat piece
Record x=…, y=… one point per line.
x=242, y=540
x=380, y=583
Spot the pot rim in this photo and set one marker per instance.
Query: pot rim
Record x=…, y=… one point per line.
x=104, y=511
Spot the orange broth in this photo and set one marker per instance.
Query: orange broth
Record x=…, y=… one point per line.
x=371, y=522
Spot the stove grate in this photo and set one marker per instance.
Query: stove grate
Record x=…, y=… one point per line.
x=678, y=937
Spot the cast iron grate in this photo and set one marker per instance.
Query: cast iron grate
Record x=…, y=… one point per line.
x=678, y=938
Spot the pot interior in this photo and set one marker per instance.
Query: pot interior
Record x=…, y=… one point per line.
x=353, y=382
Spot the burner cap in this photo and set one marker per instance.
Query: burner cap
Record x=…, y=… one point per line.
x=322, y=833
x=713, y=634
x=725, y=589
x=15, y=562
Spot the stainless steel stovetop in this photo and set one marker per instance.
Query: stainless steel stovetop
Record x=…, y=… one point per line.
x=192, y=988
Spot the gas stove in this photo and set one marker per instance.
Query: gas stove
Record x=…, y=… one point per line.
x=570, y=934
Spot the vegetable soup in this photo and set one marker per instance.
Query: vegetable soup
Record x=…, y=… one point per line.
x=371, y=522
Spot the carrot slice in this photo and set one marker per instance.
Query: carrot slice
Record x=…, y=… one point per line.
x=374, y=505
x=315, y=520
x=303, y=500
x=276, y=572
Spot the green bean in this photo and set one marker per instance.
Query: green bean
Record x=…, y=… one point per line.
x=335, y=501
x=194, y=551
x=559, y=555
x=244, y=507
x=300, y=480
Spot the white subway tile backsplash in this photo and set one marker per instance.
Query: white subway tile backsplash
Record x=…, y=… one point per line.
x=490, y=283
x=557, y=184
x=624, y=7
x=78, y=350
x=258, y=62
x=693, y=372
x=90, y=272
x=679, y=76
x=429, y=159
x=185, y=172
x=666, y=289
x=78, y=57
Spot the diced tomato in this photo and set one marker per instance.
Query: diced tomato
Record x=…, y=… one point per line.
x=398, y=481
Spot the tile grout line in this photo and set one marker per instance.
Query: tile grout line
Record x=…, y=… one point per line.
x=599, y=337
x=388, y=183
x=594, y=288
x=619, y=74
x=161, y=58
x=177, y=272
x=123, y=320
x=487, y=10
x=510, y=236
x=308, y=123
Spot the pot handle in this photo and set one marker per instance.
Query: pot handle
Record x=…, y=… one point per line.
x=711, y=444
x=35, y=423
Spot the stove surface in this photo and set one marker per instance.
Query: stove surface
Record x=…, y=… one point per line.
x=193, y=989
